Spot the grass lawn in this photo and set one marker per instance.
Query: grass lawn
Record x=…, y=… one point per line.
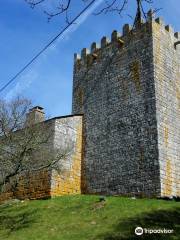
x=83, y=217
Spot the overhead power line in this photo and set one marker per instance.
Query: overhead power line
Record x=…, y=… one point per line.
x=45, y=47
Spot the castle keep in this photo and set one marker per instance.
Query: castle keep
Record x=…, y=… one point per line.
x=128, y=91
x=125, y=122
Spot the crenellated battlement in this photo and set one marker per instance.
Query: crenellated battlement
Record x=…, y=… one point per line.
x=122, y=40
x=175, y=36
x=168, y=27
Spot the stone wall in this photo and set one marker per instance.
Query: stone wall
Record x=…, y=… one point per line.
x=34, y=185
x=68, y=135
x=114, y=89
x=167, y=86
x=65, y=177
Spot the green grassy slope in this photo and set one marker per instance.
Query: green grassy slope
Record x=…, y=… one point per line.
x=85, y=218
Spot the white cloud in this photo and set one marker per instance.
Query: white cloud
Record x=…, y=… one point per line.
x=23, y=83
x=82, y=19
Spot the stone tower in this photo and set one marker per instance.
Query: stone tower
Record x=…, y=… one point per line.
x=129, y=93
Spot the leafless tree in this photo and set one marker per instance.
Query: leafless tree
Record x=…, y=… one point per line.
x=66, y=6
x=25, y=147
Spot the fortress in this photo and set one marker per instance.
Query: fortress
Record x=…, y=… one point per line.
x=126, y=118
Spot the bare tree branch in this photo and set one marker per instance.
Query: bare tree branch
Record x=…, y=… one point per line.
x=113, y=6
x=64, y=7
x=33, y=3
x=60, y=9
x=25, y=147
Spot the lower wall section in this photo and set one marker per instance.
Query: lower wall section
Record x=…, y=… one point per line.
x=34, y=186
x=28, y=186
x=67, y=183
x=7, y=194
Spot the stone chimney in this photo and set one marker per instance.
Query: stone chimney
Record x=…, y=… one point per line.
x=35, y=115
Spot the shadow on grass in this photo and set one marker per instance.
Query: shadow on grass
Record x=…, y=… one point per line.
x=168, y=219
x=13, y=219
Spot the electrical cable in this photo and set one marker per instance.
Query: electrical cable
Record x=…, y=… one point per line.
x=44, y=48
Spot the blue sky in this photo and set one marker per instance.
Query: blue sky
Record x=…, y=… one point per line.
x=48, y=82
